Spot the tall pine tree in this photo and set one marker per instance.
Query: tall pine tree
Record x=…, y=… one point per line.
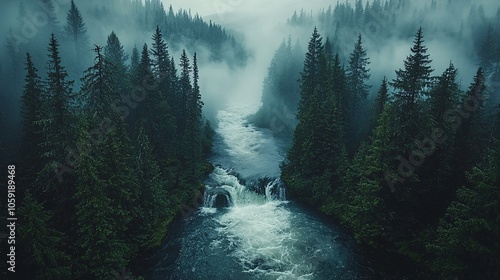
x=411, y=85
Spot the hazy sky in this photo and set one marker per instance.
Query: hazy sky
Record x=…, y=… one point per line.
x=262, y=7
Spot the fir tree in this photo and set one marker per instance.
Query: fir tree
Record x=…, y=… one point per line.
x=470, y=136
x=31, y=112
x=117, y=62
x=317, y=156
x=107, y=166
x=185, y=90
x=193, y=131
x=411, y=85
x=357, y=75
x=57, y=119
x=466, y=244
x=75, y=30
x=163, y=98
x=43, y=244
x=381, y=100
x=362, y=204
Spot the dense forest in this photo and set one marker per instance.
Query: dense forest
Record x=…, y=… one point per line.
x=103, y=164
x=409, y=167
x=103, y=118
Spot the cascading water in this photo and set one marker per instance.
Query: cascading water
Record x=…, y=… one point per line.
x=246, y=228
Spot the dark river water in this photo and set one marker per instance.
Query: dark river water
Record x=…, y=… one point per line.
x=249, y=230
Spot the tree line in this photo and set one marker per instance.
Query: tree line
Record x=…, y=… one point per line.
x=420, y=191
x=104, y=169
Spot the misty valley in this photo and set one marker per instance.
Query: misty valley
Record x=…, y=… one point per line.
x=250, y=139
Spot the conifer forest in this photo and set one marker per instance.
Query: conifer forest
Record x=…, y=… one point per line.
x=231, y=139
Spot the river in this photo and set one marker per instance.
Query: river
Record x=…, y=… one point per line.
x=247, y=229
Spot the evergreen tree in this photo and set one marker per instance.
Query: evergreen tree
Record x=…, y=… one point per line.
x=317, y=156
x=471, y=139
x=153, y=206
x=75, y=31
x=358, y=12
x=411, y=84
x=444, y=95
x=438, y=173
x=163, y=100
x=357, y=75
x=31, y=110
x=381, y=100
x=466, y=244
x=303, y=135
x=107, y=166
x=185, y=90
x=57, y=119
x=135, y=59
x=193, y=131
x=117, y=62
x=362, y=203
x=43, y=245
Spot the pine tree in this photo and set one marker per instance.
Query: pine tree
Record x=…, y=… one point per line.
x=357, y=75
x=470, y=137
x=75, y=31
x=411, y=85
x=317, y=156
x=31, y=111
x=117, y=62
x=358, y=12
x=362, y=204
x=185, y=90
x=43, y=245
x=444, y=95
x=193, y=131
x=153, y=206
x=57, y=119
x=308, y=104
x=466, y=244
x=437, y=173
x=135, y=59
x=381, y=100
x=100, y=248
x=163, y=100
x=106, y=165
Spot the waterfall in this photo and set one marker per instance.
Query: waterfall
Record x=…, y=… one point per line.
x=224, y=189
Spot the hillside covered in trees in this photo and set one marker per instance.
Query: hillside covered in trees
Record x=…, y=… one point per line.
x=412, y=171
x=104, y=158
x=372, y=155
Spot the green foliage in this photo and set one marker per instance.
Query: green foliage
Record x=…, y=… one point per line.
x=411, y=85
x=466, y=244
x=31, y=110
x=361, y=205
x=118, y=197
x=43, y=245
x=75, y=30
x=428, y=135
x=357, y=75
x=317, y=156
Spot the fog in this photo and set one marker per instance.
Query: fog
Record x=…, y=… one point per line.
x=259, y=26
x=263, y=25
